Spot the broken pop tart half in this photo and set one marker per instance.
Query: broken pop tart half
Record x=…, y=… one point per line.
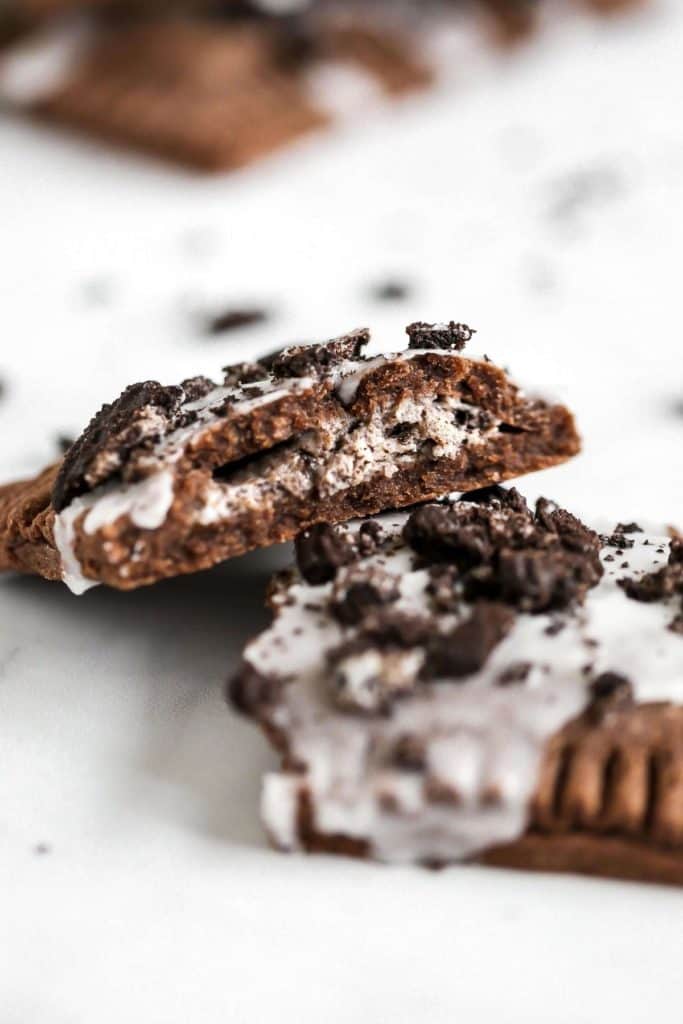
x=173, y=479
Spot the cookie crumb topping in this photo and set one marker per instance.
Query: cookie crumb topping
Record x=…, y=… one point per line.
x=450, y=336
x=663, y=585
x=502, y=551
x=138, y=419
x=303, y=360
x=322, y=550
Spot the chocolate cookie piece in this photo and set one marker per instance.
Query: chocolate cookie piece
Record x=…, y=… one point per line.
x=661, y=585
x=172, y=479
x=505, y=731
x=449, y=336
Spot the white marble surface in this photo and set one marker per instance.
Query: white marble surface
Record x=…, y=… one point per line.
x=538, y=198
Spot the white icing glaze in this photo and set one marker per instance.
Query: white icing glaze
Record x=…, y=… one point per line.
x=279, y=801
x=145, y=503
x=342, y=89
x=64, y=541
x=484, y=741
x=34, y=70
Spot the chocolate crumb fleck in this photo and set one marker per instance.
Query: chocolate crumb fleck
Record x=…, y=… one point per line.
x=443, y=587
x=305, y=360
x=321, y=551
x=444, y=336
x=369, y=537
x=233, y=319
x=628, y=528
x=390, y=627
x=610, y=691
x=465, y=650
x=250, y=689
x=408, y=753
x=391, y=291
x=676, y=551
x=358, y=590
x=515, y=673
x=243, y=373
x=64, y=442
x=618, y=540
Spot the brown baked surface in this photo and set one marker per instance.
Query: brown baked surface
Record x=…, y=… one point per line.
x=610, y=799
x=208, y=95
x=236, y=446
x=26, y=526
x=513, y=14
x=217, y=94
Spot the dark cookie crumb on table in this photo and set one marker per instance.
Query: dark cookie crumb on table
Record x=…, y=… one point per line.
x=233, y=319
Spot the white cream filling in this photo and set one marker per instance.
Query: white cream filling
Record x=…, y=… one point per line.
x=484, y=741
x=146, y=504
x=366, y=452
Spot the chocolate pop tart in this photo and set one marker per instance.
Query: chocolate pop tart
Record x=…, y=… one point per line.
x=476, y=680
x=172, y=479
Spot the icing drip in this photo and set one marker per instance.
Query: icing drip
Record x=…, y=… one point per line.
x=145, y=503
x=37, y=68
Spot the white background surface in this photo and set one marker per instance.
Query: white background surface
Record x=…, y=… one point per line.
x=538, y=197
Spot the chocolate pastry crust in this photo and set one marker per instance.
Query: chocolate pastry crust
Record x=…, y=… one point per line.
x=476, y=681
x=215, y=93
x=169, y=480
